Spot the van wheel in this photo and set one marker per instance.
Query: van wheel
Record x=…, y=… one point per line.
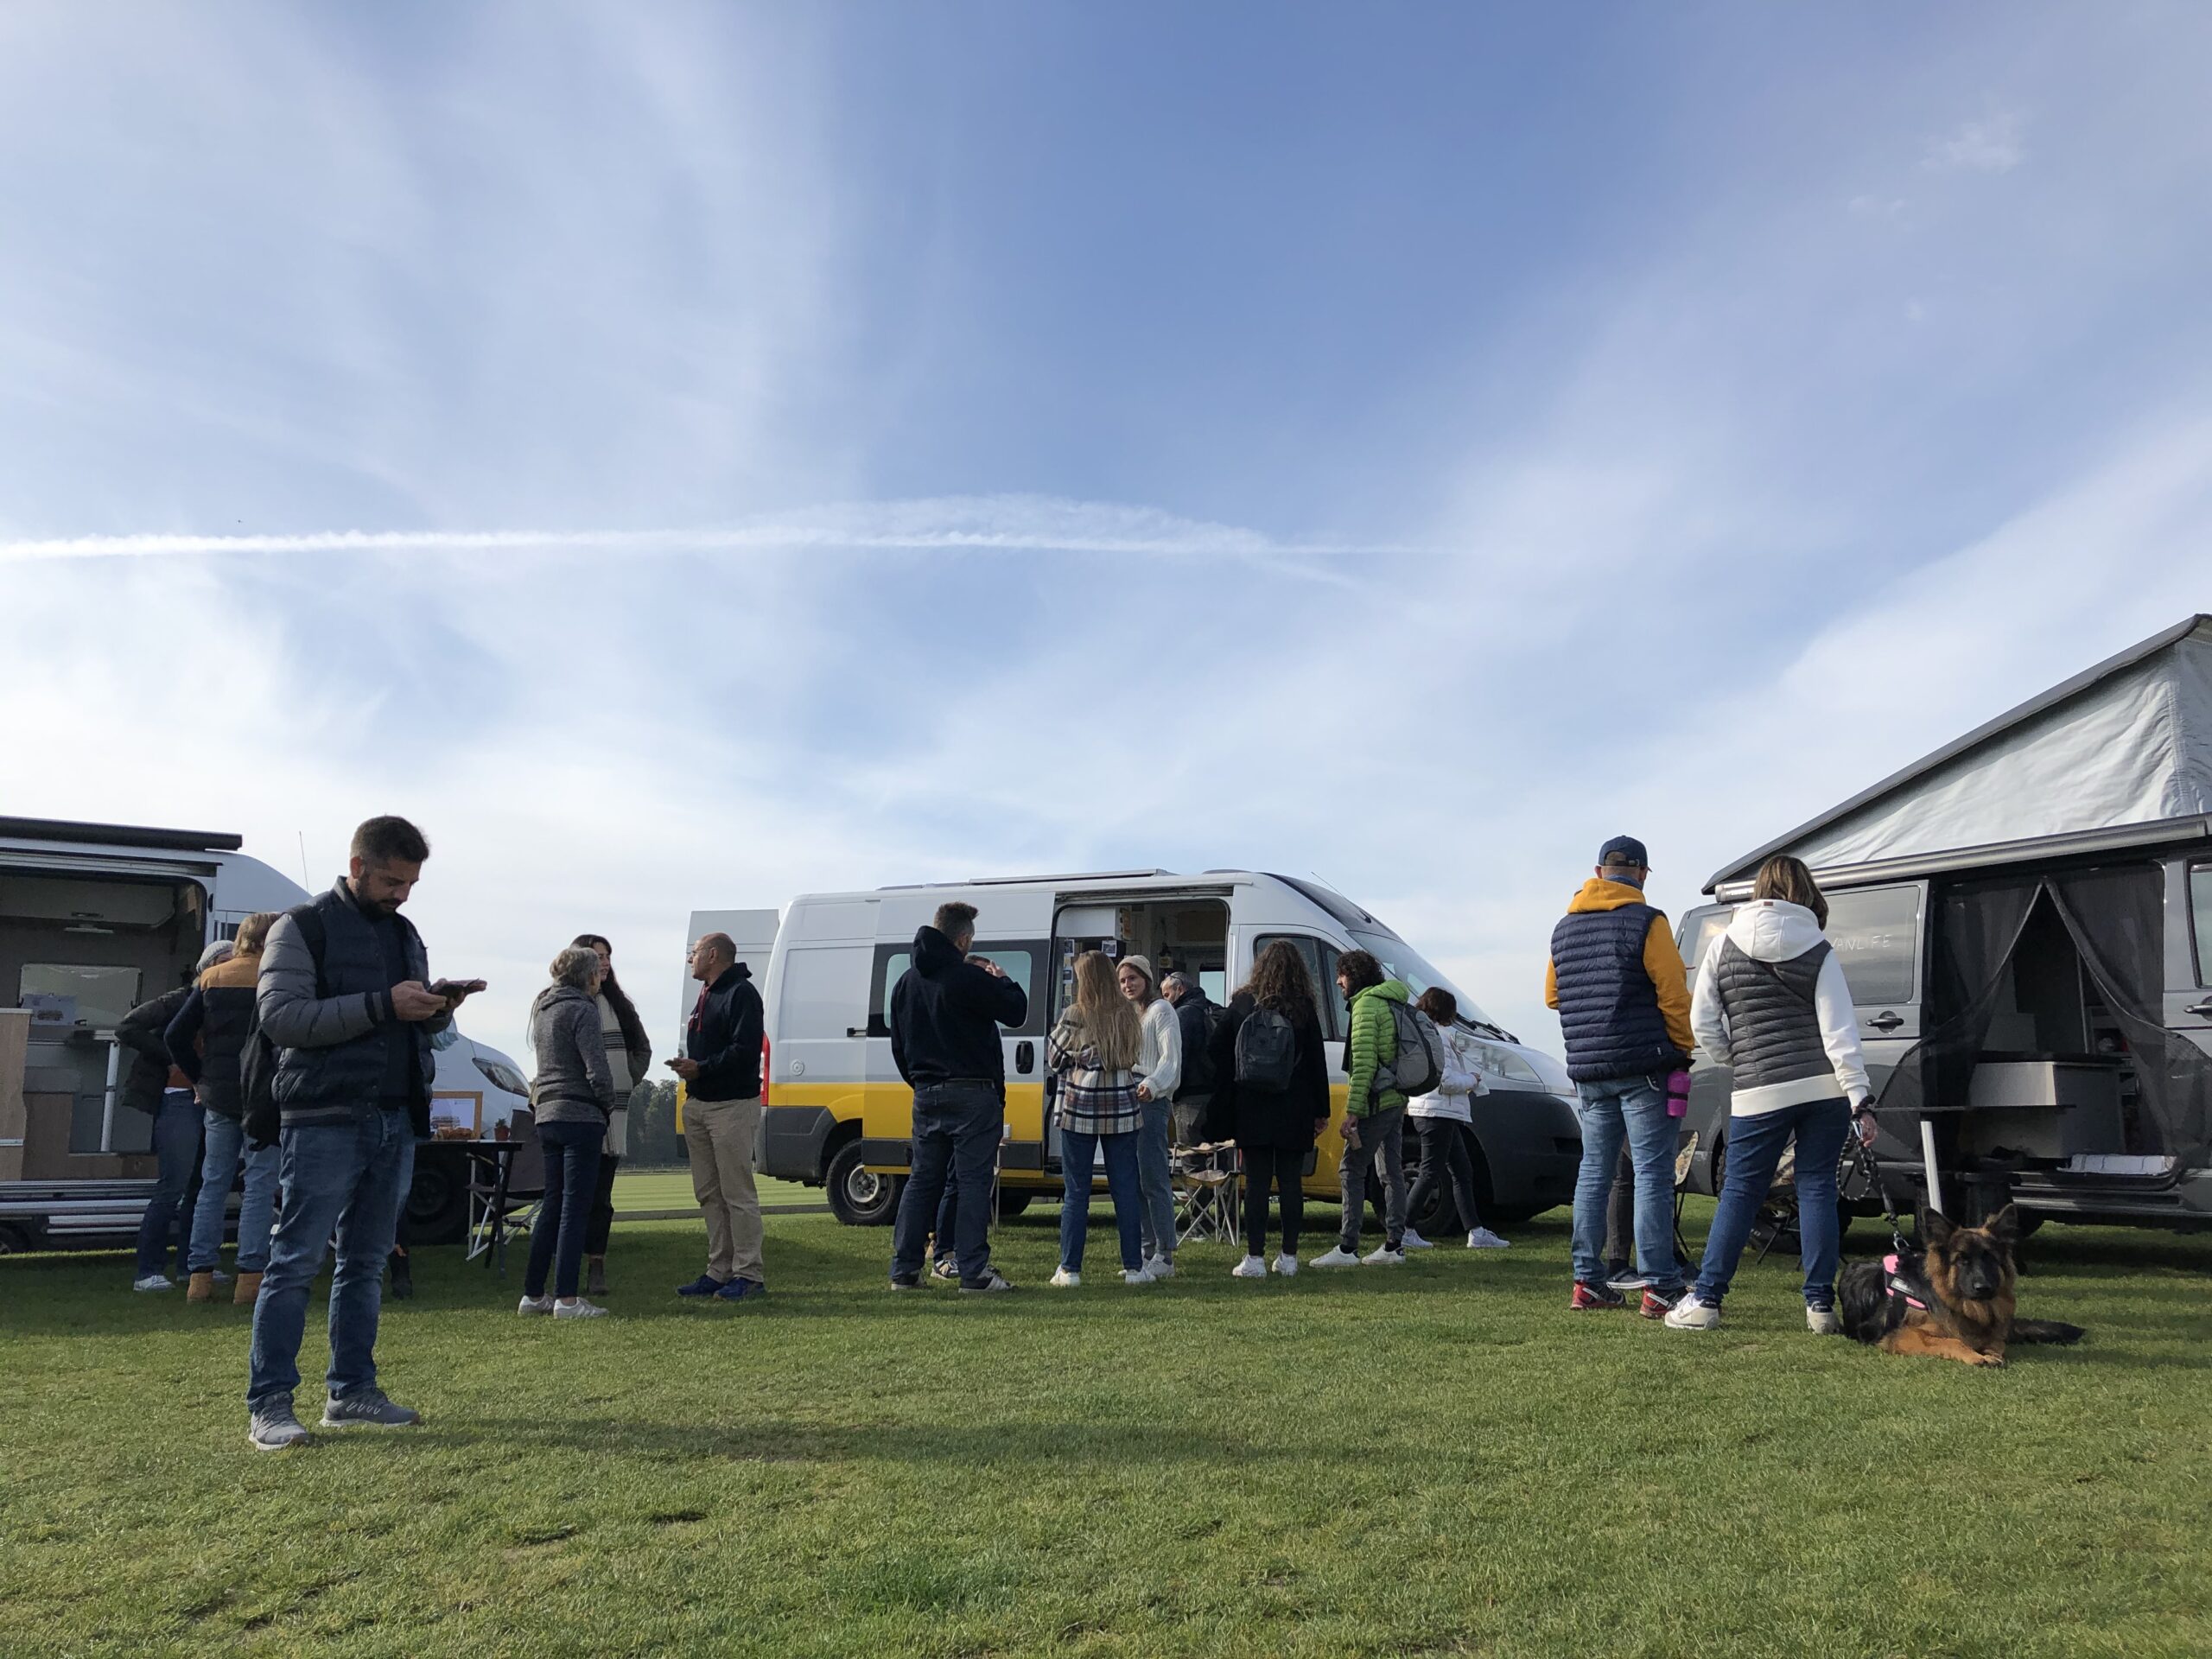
x=1013, y=1201
x=858, y=1197
x=437, y=1205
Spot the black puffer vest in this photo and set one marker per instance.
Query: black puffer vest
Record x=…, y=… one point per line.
x=1774, y=1028
x=1608, y=1008
x=352, y=964
x=227, y=1022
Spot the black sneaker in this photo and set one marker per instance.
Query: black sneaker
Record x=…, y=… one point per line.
x=992, y=1280
x=905, y=1281
x=944, y=1268
x=1626, y=1279
x=705, y=1284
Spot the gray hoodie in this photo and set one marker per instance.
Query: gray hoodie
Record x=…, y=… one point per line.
x=574, y=1083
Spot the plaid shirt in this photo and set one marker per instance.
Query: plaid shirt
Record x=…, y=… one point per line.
x=1093, y=1101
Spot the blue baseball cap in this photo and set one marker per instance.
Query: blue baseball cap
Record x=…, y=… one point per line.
x=1625, y=850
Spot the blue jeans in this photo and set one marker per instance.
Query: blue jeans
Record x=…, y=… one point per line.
x=1076, y=1160
x=176, y=1154
x=348, y=1179
x=557, y=1238
x=1155, y=1185
x=1635, y=1107
x=219, y=1167
x=1754, y=1145
x=957, y=1131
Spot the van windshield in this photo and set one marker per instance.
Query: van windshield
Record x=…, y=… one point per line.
x=1401, y=961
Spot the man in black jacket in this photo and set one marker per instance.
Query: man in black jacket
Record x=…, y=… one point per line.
x=1198, y=1016
x=720, y=1068
x=945, y=1015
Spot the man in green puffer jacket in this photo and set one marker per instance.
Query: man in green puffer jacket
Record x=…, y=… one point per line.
x=1375, y=1122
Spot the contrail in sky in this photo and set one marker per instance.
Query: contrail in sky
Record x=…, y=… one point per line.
x=1178, y=538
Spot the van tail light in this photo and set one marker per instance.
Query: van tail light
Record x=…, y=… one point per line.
x=764, y=1071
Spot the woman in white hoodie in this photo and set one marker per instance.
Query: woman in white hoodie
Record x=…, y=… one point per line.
x=1159, y=1073
x=1771, y=1003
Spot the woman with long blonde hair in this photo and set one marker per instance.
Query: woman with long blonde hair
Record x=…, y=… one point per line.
x=207, y=1040
x=1093, y=1050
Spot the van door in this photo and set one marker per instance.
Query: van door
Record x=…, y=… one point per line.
x=2189, y=1006
x=1880, y=935
x=819, y=1026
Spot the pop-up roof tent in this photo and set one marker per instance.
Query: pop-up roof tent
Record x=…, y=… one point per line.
x=2034, y=816
x=2128, y=742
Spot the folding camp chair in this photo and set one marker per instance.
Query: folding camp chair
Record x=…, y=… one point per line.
x=503, y=1189
x=1209, y=1187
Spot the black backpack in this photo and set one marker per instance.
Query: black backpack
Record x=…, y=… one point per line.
x=257, y=1059
x=1267, y=1051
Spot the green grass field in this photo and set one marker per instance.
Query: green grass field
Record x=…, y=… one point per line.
x=671, y=1189
x=1435, y=1459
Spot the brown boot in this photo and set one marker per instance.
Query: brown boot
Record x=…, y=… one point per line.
x=248, y=1290
x=201, y=1289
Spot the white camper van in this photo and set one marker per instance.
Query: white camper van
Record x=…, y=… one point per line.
x=94, y=919
x=836, y=1114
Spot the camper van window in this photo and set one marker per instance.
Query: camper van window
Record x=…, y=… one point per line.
x=1324, y=974
x=1401, y=961
x=2200, y=920
x=96, y=998
x=1700, y=929
x=1876, y=933
x=1016, y=962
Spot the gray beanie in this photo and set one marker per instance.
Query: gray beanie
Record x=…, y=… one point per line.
x=220, y=951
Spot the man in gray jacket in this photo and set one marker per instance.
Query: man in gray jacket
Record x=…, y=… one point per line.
x=345, y=998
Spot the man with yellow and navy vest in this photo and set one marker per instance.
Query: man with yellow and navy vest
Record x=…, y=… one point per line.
x=1616, y=980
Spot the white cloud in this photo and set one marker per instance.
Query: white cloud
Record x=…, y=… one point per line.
x=1995, y=143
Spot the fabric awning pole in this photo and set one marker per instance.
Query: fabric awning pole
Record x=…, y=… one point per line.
x=1928, y=1161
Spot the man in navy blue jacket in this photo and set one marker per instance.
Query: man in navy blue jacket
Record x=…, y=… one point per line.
x=1616, y=980
x=945, y=1014
x=720, y=1068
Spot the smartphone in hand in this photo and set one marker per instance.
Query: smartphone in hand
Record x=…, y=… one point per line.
x=454, y=989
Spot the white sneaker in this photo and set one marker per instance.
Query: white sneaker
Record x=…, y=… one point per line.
x=1383, y=1256
x=1691, y=1314
x=1136, y=1276
x=1340, y=1257
x=1252, y=1267
x=535, y=1305
x=153, y=1281
x=1482, y=1239
x=1413, y=1241
x=1160, y=1267
x=1823, y=1322
x=1286, y=1266
x=578, y=1309
x=1065, y=1279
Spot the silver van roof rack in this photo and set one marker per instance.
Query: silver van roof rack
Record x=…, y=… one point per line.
x=1021, y=880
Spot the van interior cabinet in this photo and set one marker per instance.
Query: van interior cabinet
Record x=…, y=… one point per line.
x=2044, y=1108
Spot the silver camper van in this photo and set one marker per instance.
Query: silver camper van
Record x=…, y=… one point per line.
x=94, y=919
x=2025, y=921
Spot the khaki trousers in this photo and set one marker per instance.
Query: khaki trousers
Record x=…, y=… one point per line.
x=719, y=1136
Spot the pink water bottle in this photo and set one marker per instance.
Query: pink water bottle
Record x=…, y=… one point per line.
x=1678, y=1093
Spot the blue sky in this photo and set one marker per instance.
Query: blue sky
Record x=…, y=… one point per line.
x=812, y=448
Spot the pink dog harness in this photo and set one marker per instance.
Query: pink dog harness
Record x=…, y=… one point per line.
x=1898, y=1285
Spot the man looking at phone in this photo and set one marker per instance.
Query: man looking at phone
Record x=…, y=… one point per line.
x=720, y=1068
x=345, y=999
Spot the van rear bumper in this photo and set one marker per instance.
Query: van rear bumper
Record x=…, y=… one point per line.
x=792, y=1141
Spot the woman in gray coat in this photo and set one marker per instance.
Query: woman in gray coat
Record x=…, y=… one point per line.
x=572, y=1095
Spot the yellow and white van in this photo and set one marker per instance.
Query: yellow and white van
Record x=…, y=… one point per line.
x=835, y=1114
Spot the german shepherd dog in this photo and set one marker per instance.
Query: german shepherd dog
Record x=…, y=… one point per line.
x=1957, y=1298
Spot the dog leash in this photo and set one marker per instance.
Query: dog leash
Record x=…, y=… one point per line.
x=1864, y=1162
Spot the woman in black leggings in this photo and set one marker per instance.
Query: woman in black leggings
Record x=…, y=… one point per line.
x=1274, y=1112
